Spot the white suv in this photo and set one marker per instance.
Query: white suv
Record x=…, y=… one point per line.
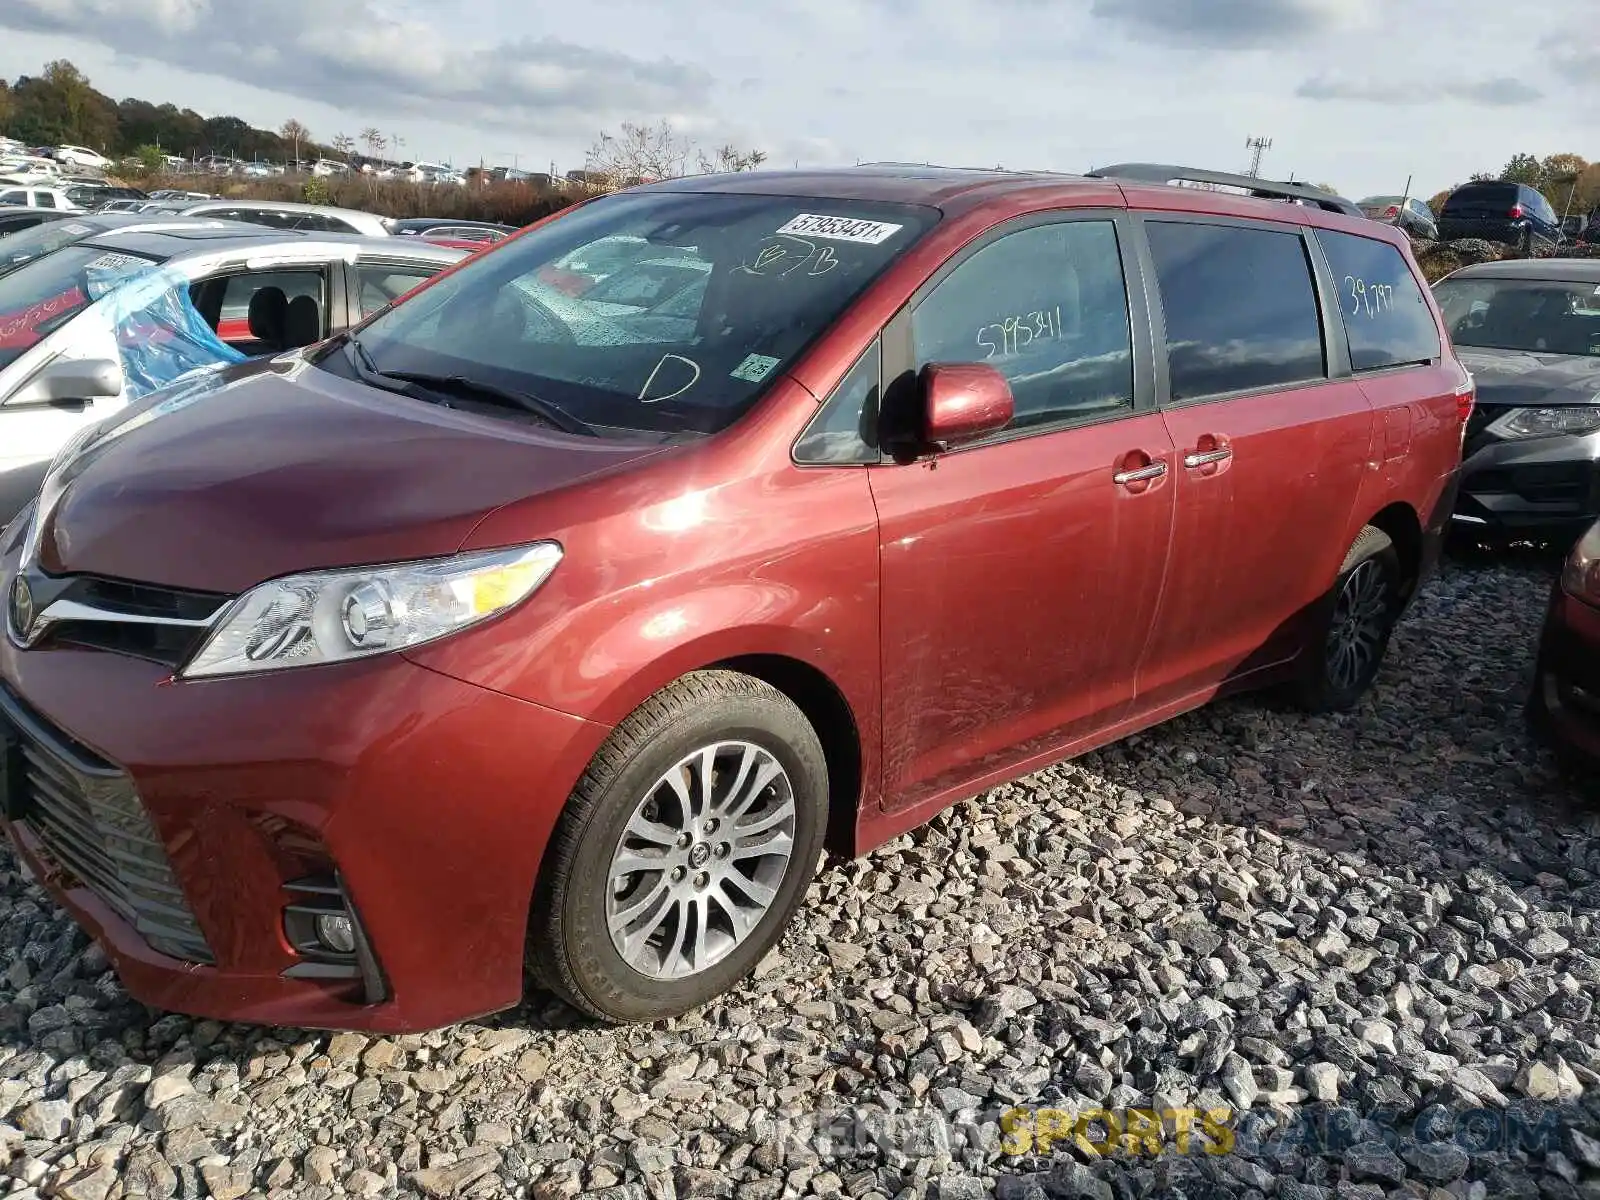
x=82, y=156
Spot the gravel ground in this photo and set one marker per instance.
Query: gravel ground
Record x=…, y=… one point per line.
x=1378, y=928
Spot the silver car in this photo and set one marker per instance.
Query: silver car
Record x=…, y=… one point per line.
x=285, y=214
x=68, y=356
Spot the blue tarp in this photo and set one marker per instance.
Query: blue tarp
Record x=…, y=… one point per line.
x=161, y=336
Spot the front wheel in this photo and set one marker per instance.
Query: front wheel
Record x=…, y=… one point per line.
x=683, y=852
x=1350, y=634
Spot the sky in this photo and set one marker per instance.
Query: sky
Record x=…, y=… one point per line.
x=1360, y=94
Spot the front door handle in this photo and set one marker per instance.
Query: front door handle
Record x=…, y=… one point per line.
x=1205, y=458
x=1140, y=474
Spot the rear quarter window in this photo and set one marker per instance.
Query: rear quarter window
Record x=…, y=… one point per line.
x=1386, y=319
x=1241, y=309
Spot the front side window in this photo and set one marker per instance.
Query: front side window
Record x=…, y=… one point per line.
x=1385, y=316
x=1048, y=308
x=1241, y=309
x=378, y=285
x=845, y=429
x=1540, y=316
x=728, y=290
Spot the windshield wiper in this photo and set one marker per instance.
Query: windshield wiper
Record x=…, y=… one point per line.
x=493, y=393
x=407, y=383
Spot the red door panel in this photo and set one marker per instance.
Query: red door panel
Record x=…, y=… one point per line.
x=1019, y=585
x=1260, y=530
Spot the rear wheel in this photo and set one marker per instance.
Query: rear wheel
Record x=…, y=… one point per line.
x=1352, y=627
x=683, y=852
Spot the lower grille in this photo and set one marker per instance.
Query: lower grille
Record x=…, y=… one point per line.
x=89, y=820
x=1537, y=483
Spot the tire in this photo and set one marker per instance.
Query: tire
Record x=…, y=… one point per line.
x=682, y=942
x=1352, y=627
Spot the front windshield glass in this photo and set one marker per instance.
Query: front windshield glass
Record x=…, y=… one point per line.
x=1543, y=316
x=43, y=239
x=666, y=312
x=40, y=296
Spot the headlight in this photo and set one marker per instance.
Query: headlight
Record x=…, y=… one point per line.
x=1545, y=422
x=1581, y=576
x=328, y=616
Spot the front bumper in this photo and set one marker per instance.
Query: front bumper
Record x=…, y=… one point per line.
x=1566, y=696
x=432, y=799
x=1537, y=485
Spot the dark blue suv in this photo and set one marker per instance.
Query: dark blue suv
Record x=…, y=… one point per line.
x=1512, y=213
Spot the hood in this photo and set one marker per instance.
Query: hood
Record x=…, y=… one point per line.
x=1526, y=379
x=267, y=469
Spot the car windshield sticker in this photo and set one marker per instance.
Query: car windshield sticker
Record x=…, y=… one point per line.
x=755, y=368
x=111, y=262
x=841, y=229
x=110, y=271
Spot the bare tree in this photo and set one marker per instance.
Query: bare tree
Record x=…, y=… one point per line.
x=343, y=144
x=372, y=138
x=729, y=158
x=294, y=133
x=638, y=153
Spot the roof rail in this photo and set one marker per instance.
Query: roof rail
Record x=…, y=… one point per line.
x=1263, y=188
x=948, y=167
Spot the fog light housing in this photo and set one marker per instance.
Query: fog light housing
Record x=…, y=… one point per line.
x=336, y=933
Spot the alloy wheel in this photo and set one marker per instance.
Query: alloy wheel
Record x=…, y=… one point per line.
x=1359, y=625
x=701, y=859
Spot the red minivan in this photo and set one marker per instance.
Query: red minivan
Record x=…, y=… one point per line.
x=516, y=631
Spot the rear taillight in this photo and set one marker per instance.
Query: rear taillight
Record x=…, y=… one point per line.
x=1516, y=213
x=1466, y=398
x=1392, y=211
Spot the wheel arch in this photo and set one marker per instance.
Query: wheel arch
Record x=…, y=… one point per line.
x=1400, y=521
x=824, y=705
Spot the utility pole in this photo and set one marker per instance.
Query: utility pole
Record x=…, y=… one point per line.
x=1258, y=147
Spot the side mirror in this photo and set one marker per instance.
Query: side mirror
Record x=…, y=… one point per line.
x=70, y=382
x=1573, y=226
x=962, y=402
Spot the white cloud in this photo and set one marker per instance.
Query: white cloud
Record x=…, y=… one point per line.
x=352, y=53
x=1055, y=84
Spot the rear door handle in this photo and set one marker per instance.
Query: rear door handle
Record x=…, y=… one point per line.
x=1140, y=474
x=1204, y=458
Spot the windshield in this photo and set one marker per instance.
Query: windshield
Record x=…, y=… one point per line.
x=40, y=296
x=1544, y=316
x=666, y=312
x=43, y=239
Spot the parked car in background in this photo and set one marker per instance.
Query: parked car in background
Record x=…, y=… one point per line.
x=96, y=198
x=1564, y=707
x=261, y=291
x=15, y=220
x=1512, y=214
x=176, y=194
x=1409, y=213
x=1529, y=331
x=54, y=234
x=502, y=647
x=28, y=170
x=455, y=230
x=82, y=156
x=325, y=167
x=38, y=197
x=313, y=218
